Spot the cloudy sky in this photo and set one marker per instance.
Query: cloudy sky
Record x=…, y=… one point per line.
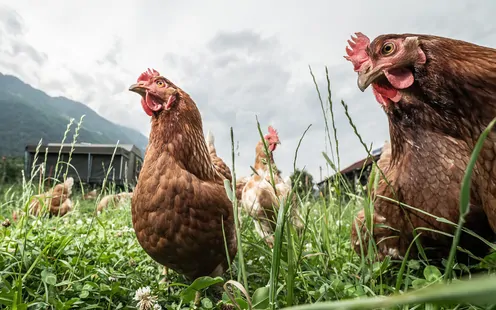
x=237, y=59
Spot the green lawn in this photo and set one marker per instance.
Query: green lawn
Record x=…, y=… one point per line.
x=90, y=261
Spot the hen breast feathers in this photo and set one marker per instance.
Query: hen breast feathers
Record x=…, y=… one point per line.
x=433, y=129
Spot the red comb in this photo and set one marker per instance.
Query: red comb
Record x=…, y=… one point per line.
x=272, y=131
x=147, y=75
x=357, y=53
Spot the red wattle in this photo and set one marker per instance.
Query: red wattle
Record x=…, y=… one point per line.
x=145, y=107
x=152, y=103
x=385, y=93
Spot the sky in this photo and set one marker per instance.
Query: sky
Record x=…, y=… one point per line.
x=237, y=59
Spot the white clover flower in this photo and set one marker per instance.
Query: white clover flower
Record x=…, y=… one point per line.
x=79, y=222
x=250, y=262
x=145, y=300
x=142, y=291
x=308, y=247
x=127, y=229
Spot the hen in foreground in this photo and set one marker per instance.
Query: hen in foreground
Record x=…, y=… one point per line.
x=439, y=94
x=179, y=206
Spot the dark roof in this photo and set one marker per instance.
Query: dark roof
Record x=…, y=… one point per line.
x=360, y=164
x=85, y=148
x=376, y=154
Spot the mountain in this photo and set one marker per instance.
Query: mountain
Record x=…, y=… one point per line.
x=28, y=115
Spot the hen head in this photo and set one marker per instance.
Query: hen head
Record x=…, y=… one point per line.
x=156, y=91
x=387, y=63
x=272, y=139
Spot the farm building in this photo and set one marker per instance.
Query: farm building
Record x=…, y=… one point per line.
x=89, y=163
x=357, y=173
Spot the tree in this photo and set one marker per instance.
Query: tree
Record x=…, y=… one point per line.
x=302, y=181
x=10, y=170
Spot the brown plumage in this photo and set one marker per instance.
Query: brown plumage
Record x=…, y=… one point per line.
x=179, y=206
x=240, y=185
x=219, y=164
x=438, y=94
x=56, y=200
x=258, y=197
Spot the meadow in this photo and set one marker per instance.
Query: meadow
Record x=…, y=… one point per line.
x=86, y=260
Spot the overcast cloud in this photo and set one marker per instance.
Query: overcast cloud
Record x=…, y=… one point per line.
x=236, y=59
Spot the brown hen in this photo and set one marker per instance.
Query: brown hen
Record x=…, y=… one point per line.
x=179, y=206
x=113, y=200
x=56, y=200
x=439, y=94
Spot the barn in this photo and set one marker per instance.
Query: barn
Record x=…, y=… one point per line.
x=88, y=163
x=356, y=173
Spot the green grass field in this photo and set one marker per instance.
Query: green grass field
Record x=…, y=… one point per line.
x=89, y=261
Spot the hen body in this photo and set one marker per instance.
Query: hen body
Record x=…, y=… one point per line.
x=439, y=94
x=114, y=200
x=57, y=200
x=179, y=206
x=259, y=199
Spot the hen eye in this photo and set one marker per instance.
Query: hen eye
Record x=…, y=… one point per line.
x=387, y=49
x=160, y=83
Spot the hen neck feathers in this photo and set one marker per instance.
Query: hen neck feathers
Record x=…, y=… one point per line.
x=261, y=162
x=454, y=94
x=178, y=134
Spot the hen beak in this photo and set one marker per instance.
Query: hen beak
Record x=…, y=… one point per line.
x=367, y=76
x=138, y=88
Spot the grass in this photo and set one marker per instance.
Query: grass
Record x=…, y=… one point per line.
x=90, y=261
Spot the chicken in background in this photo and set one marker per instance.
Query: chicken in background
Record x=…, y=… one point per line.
x=179, y=206
x=258, y=198
x=240, y=185
x=439, y=94
x=56, y=200
x=114, y=200
x=90, y=195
